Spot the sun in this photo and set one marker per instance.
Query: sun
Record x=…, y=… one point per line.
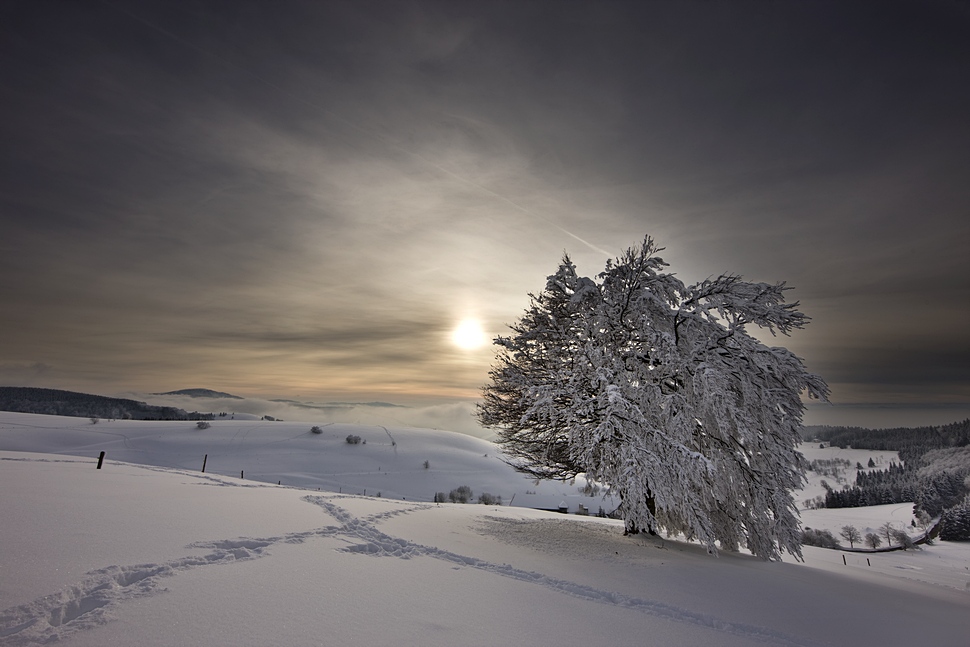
x=468, y=335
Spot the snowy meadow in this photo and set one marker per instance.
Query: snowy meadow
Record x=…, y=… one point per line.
x=152, y=550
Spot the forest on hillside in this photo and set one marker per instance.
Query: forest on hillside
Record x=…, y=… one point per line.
x=934, y=472
x=84, y=405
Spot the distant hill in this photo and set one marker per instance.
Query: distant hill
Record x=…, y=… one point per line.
x=910, y=442
x=202, y=393
x=338, y=405
x=84, y=405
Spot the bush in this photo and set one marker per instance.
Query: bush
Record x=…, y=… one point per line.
x=820, y=538
x=440, y=497
x=353, y=440
x=461, y=494
x=903, y=539
x=873, y=540
x=316, y=430
x=202, y=424
x=489, y=499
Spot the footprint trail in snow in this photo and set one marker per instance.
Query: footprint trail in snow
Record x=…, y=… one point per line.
x=97, y=598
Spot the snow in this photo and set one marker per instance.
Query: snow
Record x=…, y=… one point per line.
x=167, y=555
x=389, y=460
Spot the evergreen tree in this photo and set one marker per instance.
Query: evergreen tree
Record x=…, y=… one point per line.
x=955, y=522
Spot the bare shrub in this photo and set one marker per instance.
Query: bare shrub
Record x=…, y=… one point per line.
x=820, y=538
x=461, y=494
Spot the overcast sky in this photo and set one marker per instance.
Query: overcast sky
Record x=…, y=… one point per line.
x=304, y=199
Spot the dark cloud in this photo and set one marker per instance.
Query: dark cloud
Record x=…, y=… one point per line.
x=246, y=193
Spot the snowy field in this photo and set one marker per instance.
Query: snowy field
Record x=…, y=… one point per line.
x=159, y=553
x=389, y=461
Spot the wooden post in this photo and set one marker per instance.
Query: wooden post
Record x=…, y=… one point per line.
x=204, y=462
x=868, y=562
x=100, y=460
x=242, y=474
x=843, y=561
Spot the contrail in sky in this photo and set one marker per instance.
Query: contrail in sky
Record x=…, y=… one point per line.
x=356, y=127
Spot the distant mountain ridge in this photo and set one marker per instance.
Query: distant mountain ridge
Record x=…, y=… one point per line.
x=202, y=393
x=23, y=399
x=338, y=405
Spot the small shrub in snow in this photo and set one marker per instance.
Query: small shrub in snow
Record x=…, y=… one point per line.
x=427, y=465
x=353, y=440
x=440, y=497
x=94, y=420
x=461, y=494
x=489, y=499
x=316, y=430
x=203, y=424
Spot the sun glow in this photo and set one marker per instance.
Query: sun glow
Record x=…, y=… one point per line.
x=468, y=335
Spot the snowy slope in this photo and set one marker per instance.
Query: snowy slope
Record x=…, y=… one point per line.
x=389, y=460
x=162, y=554
x=145, y=555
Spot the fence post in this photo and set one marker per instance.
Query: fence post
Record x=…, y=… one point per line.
x=204, y=462
x=100, y=460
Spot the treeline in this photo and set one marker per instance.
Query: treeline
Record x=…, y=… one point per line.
x=897, y=484
x=910, y=442
x=84, y=405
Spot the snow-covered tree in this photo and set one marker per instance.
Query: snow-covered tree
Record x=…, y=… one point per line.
x=656, y=389
x=955, y=522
